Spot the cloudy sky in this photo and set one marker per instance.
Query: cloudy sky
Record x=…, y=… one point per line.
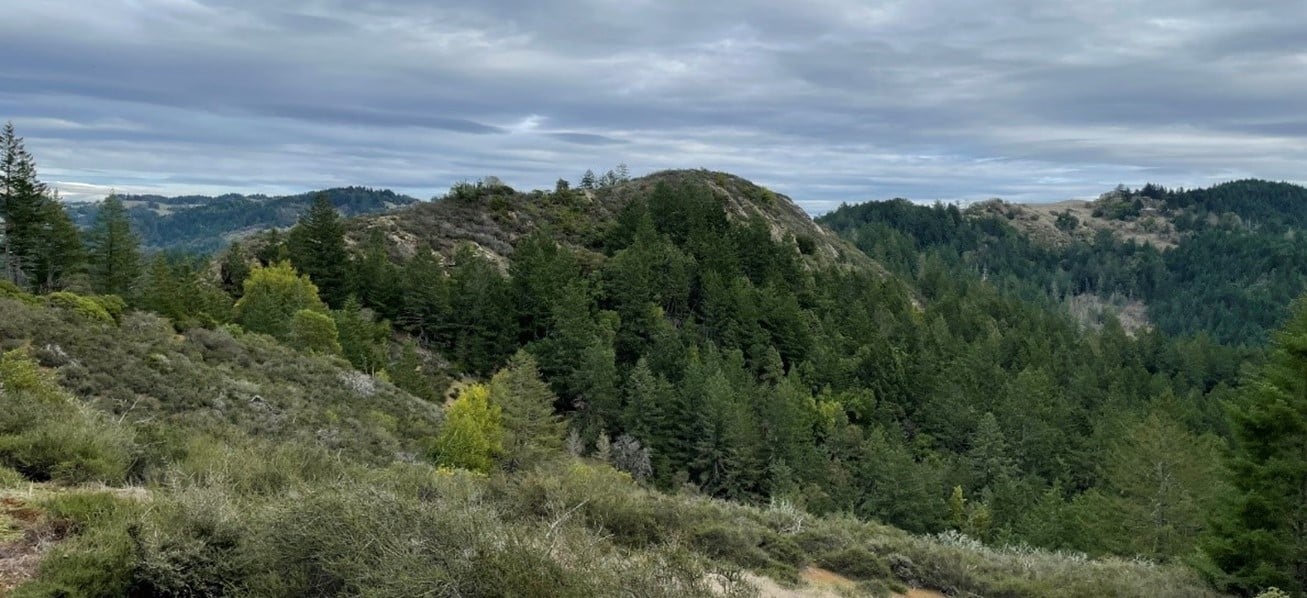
x=826, y=100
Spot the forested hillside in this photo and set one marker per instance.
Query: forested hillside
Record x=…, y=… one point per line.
x=644, y=386
x=1233, y=263
x=202, y=224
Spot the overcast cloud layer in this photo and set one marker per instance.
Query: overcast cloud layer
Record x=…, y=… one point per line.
x=827, y=101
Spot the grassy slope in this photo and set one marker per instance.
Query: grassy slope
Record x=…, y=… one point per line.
x=272, y=473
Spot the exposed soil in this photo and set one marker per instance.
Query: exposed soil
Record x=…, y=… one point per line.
x=25, y=535
x=822, y=583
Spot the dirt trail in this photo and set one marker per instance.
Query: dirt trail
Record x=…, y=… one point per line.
x=822, y=583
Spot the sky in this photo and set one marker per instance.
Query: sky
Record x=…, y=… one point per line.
x=827, y=101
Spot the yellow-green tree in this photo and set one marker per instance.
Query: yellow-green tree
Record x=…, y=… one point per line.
x=314, y=332
x=473, y=434
x=272, y=296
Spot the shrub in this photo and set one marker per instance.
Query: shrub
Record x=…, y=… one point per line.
x=98, y=561
x=9, y=290
x=84, y=306
x=112, y=304
x=314, y=332
x=10, y=478
x=47, y=435
x=856, y=562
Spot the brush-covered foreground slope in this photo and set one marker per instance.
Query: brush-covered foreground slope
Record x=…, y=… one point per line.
x=494, y=218
x=1224, y=261
x=197, y=223
x=227, y=465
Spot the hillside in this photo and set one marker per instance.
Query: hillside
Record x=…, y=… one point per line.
x=1224, y=261
x=205, y=224
x=493, y=218
x=238, y=467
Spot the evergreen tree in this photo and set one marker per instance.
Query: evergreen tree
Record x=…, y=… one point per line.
x=113, y=255
x=407, y=372
x=988, y=456
x=177, y=287
x=362, y=340
x=376, y=279
x=647, y=415
x=532, y=431
x=58, y=252
x=21, y=200
x=1160, y=482
x=481, y=327
x=1261, y=539
x=317, y=249
x=233, y=269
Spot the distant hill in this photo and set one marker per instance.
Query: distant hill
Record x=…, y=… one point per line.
x=494, y=217
x=202, y=224
x=1225, y=261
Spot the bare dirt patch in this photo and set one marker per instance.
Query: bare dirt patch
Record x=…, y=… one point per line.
x=25, y=535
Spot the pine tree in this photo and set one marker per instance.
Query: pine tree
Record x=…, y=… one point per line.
x=234, y=267
x=649, y=401
x=376, y=279
x=362, y=340
x=1160, y=482
x=1261, y=538
x=989, y=458
x=407, y=373
x=317, y=249
x=113, y=254
x=177, y=287
x=21, y=199
x=532, y=431
x=58, y=247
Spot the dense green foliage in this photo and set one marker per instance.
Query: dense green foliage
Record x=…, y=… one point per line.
x=1259, y=540
x=201, y=224
x=1232, y=275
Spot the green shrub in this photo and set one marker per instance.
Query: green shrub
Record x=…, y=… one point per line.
x=9, y=290
x=735, y=543
x=10, y=478
x=113, y=305
x=84, y=306
x=784, y=549
x=99, y=559
x=856, y=562
x=47, y=435
x=314, y=332
x=190, y=546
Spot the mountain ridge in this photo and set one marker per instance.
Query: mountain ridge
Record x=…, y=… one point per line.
x=203, y=224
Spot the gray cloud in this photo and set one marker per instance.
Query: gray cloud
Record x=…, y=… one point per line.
x=827, y=101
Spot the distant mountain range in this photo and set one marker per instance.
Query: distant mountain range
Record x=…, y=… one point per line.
x=201, y=224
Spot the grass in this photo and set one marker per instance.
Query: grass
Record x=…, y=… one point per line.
x=260, y=474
